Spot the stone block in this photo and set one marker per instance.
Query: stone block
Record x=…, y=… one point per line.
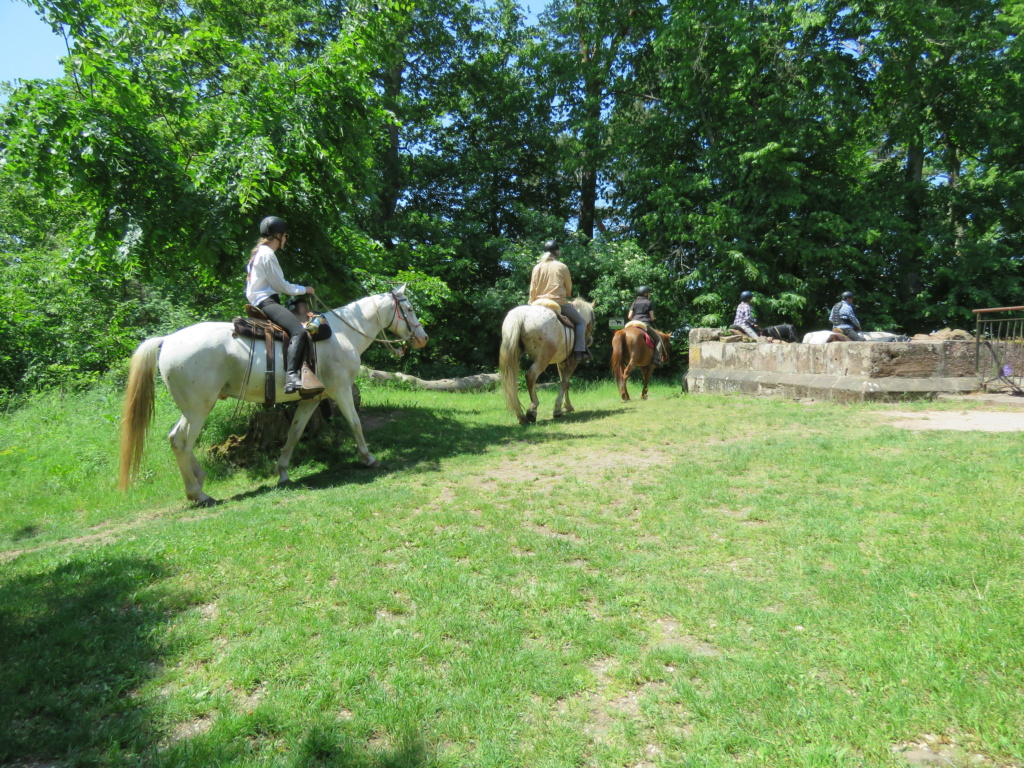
x=904, y=360
x=958, y=358
x=701, y=335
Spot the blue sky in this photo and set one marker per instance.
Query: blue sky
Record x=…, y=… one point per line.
x=30, y=49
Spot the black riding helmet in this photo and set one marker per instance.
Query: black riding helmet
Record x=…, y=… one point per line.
x=746, y=296
x=551, y=246
x=273, y=226
x=847, y=294
x=643, y=290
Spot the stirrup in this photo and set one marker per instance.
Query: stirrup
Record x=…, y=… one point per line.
x=311, y=385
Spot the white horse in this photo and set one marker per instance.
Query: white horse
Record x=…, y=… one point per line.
x=206, y=362
x=536, y=331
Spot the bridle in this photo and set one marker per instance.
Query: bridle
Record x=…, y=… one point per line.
x=402, y=308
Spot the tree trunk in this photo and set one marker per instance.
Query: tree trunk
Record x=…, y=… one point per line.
x=480, y=381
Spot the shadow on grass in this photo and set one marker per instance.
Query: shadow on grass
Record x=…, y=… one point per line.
x=413, y=440
x=327, y=746
x=25, y=532
x=76, y=642
x=324, y=745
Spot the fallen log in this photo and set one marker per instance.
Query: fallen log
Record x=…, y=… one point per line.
x=479, y=381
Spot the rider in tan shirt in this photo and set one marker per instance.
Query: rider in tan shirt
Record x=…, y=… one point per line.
x=551, y=280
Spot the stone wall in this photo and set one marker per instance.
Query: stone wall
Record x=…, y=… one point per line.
x=842, y=371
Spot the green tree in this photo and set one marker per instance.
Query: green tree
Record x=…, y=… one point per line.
x=179, y=126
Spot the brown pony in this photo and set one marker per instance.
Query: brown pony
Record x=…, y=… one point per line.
x=629, y=351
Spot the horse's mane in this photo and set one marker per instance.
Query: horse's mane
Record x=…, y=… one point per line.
x=581, y=303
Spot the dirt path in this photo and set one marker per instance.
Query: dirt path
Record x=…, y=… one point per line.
x=963, y=421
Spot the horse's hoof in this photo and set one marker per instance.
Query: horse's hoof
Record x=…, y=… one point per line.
x=283, y=483
x=524, y=421
x=558, y=414
x=531, y=418
x=375, y=464
x=643, y=397
x=207, y=502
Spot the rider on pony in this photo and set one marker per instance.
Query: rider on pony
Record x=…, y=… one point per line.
x=642, y=311
x=745, y=320
x=551, y=280
x=264, y=284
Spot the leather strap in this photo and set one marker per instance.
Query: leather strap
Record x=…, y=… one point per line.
x=270, y=387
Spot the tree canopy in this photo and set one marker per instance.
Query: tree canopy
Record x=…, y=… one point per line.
x=703, y=148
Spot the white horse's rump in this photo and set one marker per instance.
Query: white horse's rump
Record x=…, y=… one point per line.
x=539, y=333
x=205, y=363
x=824, y=337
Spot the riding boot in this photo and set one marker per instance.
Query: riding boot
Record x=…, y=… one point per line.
x=582, y=355
x=293, y=382
x=296, y=354
x=659, y=356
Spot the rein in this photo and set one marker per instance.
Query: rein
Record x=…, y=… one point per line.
x=396, y=348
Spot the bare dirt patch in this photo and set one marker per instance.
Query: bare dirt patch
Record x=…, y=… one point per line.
x=673, y=635
x=742, y=516
x=548, y=471
x=544, y=530
x=191, y=729
x=961, y=421
x=943, y=750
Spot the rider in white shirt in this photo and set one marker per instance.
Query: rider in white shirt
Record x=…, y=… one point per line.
x=265, y=283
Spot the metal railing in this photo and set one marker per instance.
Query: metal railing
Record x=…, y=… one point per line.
x=999, y=349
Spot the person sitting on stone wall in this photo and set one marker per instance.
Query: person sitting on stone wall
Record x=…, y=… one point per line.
x=844, y=319
x=745, y=320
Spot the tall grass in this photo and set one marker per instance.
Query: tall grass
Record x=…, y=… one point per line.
x=709, y=581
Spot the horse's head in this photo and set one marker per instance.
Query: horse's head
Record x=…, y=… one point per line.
x=404, y=324
x=586, y=309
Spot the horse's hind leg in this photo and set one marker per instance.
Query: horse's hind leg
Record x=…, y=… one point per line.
x=624, y=386
x=531, y=387
x=565, y=371
x=647, y=370
x=183, y=439
x=304, y=410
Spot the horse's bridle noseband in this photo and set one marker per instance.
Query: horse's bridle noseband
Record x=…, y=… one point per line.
x=400, y=311
x=397, y=348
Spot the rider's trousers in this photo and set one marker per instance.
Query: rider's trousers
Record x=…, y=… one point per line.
x=297, y=346
x=581, y=326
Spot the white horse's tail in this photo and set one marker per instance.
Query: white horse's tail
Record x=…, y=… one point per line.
x=139, y=404
x=508, y=361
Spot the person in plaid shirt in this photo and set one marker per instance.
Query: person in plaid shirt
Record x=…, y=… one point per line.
x=745, y=320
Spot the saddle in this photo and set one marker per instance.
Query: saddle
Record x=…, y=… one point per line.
x=258, y=326
x=555, y=307
x=645, y=330
x=253, y=327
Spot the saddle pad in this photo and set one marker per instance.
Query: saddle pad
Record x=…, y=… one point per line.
x=252, y=328
x=648, y=339
x=551, y=304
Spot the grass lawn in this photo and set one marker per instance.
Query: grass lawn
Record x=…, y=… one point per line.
x=687, y=581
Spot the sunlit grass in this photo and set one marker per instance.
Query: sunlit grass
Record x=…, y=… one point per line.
x=690, y=580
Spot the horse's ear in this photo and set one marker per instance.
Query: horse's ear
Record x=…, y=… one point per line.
x=400, y=290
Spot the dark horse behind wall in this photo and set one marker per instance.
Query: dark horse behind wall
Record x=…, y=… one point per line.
x=784, y=332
